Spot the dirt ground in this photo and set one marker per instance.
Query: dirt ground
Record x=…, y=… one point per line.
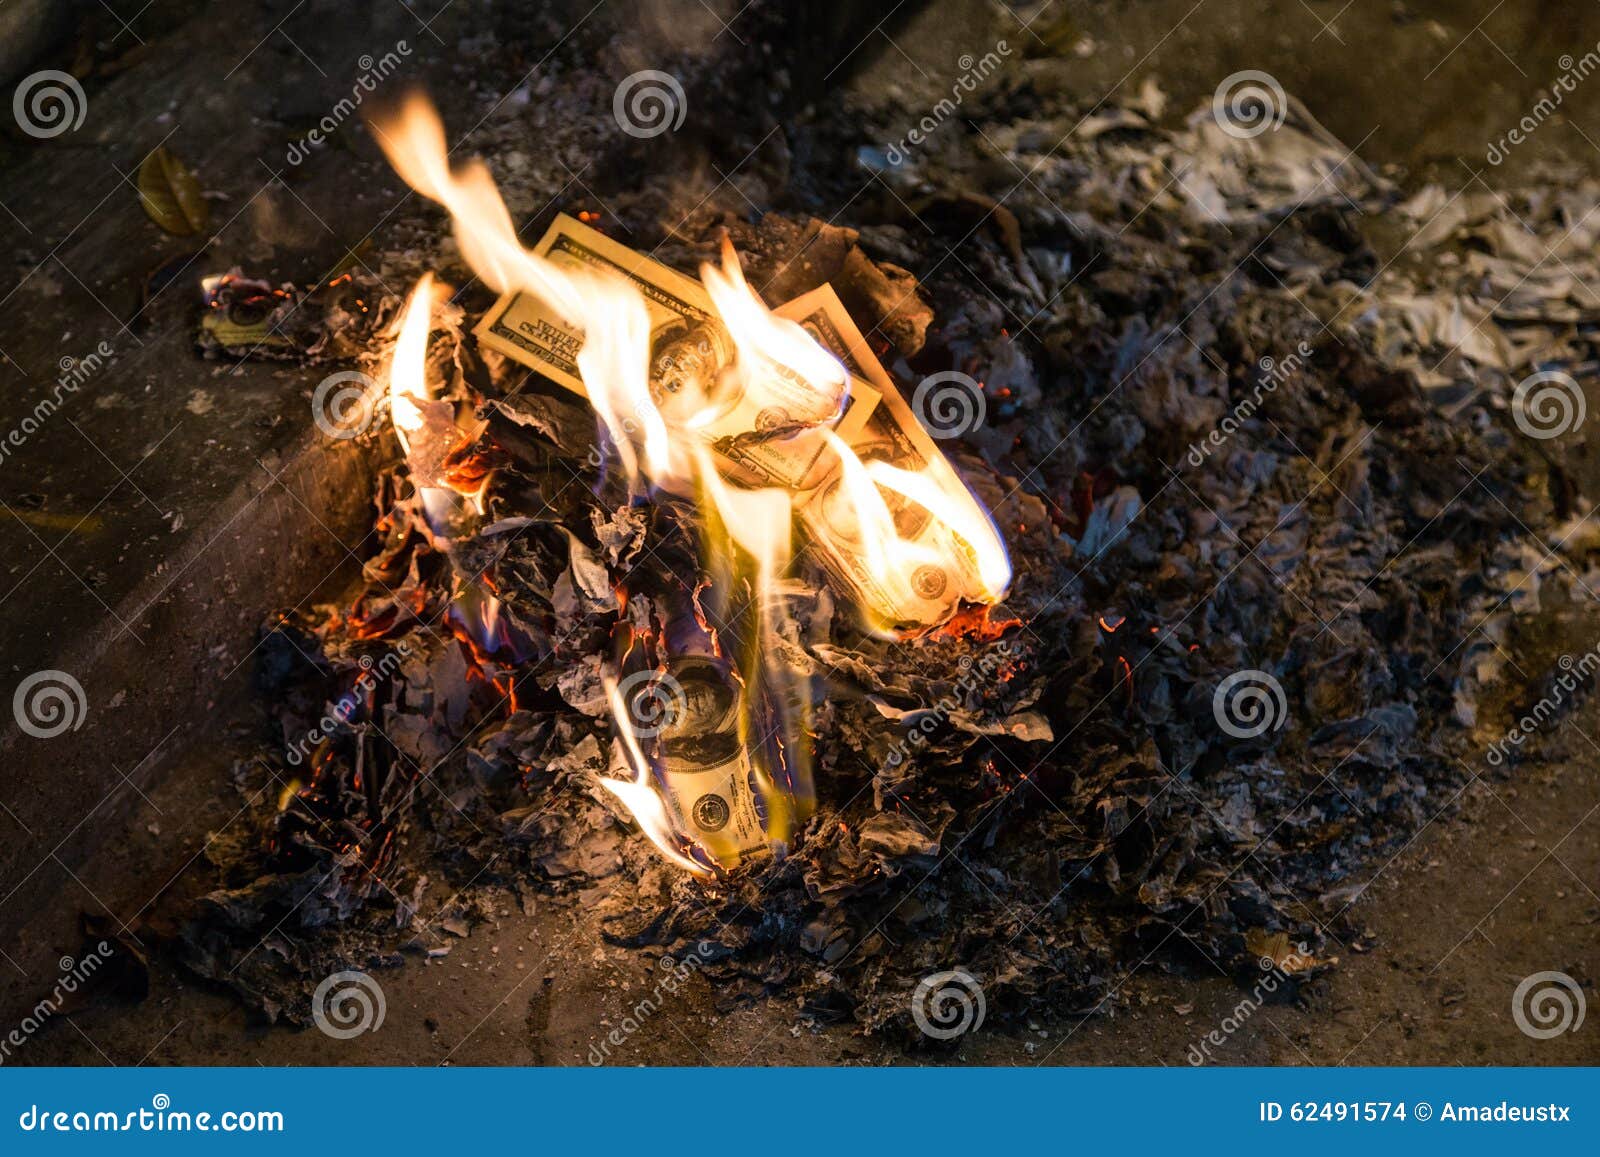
x=1501, y=885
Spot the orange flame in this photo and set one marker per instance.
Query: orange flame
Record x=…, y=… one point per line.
x=616, y=324
x=751, y=544
x=408, y=383
x=768, y=344
x=638, y=794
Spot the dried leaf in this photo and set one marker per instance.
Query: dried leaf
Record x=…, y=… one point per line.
x=170, y=194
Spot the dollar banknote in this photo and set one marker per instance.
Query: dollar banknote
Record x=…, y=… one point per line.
x=765, y=426
x=691, y=717
x=946, y=571
x=770, y=434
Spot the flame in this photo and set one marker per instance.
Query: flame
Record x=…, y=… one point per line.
x=639, y=795
x=953, y=504
x=426, y=430
x=768, y=344
x=748, y=534
x=885, y=555
x=759, y=521
x=408, y=384
x=616, y=324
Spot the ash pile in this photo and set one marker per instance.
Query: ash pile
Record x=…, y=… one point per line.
x=1271, y=504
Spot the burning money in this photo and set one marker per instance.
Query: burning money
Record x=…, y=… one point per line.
x=684, y=725
x=907, y=562
x=764, y=427
x=763, y=417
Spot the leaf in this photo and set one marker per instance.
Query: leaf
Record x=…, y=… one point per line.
x=170, y=194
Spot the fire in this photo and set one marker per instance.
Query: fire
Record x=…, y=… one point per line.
x=408, y=383
x=665, y=442
x=616, y=349
x=953, y=504
x=638, y=794
x=767, y=344
x=429, y=435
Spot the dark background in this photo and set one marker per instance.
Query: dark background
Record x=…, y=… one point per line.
x=151, y=525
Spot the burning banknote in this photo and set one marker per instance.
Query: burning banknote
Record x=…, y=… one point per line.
x=761, y=417
x=904, y=562
x=765, y=428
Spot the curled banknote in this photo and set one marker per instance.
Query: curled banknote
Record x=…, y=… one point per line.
x=943, y=571
x=687, y=721
x=772, y=433
x=765, y=428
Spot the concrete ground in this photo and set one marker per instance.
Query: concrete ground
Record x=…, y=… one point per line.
x=153, y=521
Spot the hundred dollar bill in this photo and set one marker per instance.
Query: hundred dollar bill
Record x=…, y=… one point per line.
x=767, y=433
x=930, y=593
x=703, y=769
